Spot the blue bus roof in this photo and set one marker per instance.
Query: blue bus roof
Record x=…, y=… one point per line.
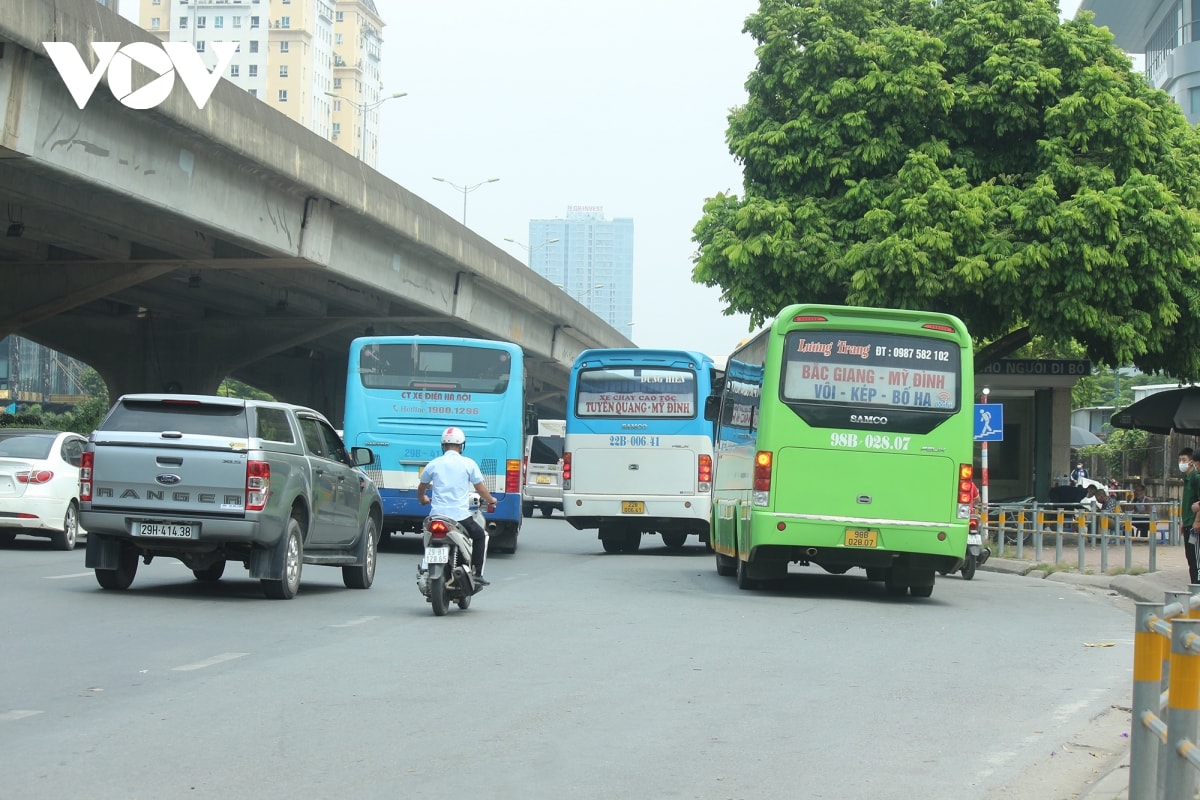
x=641, y=355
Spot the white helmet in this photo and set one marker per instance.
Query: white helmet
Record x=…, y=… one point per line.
x=453, y=436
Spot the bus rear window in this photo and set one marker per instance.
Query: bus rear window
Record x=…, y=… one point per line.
x=434, y=367
x=872, y=370
x=636, y=392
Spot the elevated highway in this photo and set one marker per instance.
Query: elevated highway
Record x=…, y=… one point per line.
x=172, y=247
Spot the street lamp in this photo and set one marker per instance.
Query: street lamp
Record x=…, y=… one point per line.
x=530, y=248
x=363, y=111
x=465, y=191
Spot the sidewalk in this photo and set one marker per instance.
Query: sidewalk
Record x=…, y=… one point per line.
x=1171, y=575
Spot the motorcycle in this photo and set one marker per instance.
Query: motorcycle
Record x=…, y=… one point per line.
x=977, y=554
x=445, y=575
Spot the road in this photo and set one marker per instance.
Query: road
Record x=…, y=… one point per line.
x=576, y=674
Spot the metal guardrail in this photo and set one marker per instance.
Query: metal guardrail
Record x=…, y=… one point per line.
x=1164, y=758
x=1029, y=524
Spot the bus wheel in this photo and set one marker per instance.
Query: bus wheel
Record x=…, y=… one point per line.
x=633, y=540
x=921, y=591
x=674, y=539
x=744, y=581
x=726, y=566
x=612, y=545
x=894, y=584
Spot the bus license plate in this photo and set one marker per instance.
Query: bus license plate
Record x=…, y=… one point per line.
x=857, y=537
x=437, y=555
x=165, y=530
x=633, y=507
x=542, y=479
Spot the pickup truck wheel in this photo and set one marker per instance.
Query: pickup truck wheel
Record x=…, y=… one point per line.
x=122, y=576
x=293, y=563
x=363, y=575
x=65, y=539
x=212, y=573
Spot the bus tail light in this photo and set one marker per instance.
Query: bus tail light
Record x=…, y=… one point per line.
x=85, y=476
x=566, y=470
x=966, y=486
x=258, y=485
x=704, y=473
x=762, y=478
x=512, y=475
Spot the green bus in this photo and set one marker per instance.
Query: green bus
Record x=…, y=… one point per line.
x=843, y=437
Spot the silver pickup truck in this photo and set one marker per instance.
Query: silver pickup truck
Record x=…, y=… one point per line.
x=208, y=480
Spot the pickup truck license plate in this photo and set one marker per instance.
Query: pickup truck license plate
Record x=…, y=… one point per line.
x=437, y=555
x=633, y=507
x=859, y=537
x=542, y=478
x=165, y=530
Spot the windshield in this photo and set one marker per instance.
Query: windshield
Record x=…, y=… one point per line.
x=415, y=365
x=636, y=392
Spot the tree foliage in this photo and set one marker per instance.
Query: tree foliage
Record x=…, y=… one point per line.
x=977, y=157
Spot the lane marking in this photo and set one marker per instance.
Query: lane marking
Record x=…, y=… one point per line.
x=209, y=662
x=354, y=622
x=17, y=713
x=62, y=577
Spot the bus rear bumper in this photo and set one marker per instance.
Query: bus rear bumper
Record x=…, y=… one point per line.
x=689, y=514
x=825, y=544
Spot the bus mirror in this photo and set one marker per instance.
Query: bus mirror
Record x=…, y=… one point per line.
x=712, y=407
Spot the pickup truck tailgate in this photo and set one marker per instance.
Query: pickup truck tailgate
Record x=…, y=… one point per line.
x=181, y=477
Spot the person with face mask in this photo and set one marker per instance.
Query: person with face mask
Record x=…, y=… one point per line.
x=1189, y=505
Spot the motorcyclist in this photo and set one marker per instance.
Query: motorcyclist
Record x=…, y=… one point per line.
x=451, y=477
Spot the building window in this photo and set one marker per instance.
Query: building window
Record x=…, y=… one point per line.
x=200, y=46
x=154, y=23
x=218, y=22
x=285, y=22
x=337, y=105
x=283, y=95
x=1194, y=100
x=235, y=71
x=283, y=70
x=254, y=45
x=254, y=92
x=254, y=22
x=201, y=22
x=237, y=22
x=340, y=16
x=254, y=70
x=156, y=3
x=182, y=22
x=284, y=47
x=338, y=39
x=337, y=128
x=337, y=83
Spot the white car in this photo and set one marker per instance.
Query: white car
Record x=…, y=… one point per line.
x=39, y=484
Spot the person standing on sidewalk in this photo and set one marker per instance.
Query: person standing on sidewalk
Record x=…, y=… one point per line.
x=1189, y=505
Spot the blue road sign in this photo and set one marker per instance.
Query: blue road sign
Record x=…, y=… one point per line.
x=989, y=422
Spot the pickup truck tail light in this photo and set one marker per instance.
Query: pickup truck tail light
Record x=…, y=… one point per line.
x=258, y=485
x=85, y=476
x=512, y=475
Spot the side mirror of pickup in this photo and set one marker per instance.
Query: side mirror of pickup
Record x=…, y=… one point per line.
x=362, y=456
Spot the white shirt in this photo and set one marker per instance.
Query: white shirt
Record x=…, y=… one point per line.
x=451, y=476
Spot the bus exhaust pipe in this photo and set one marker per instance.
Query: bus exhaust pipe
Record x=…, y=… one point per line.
x=810, y=552
x=491, y=527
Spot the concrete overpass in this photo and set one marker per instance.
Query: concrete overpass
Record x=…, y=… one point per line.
x=170, y=248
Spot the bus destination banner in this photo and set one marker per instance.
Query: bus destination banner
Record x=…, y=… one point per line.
x=636, y=393
x=871, y=369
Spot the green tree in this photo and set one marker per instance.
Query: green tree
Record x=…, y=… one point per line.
x=978, y=157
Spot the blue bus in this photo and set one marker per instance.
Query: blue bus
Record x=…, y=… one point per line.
x=403, y=391
x=638, y=452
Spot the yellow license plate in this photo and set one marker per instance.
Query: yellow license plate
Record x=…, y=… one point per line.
x=541, y=479
x=857, y=537
x=633, y=507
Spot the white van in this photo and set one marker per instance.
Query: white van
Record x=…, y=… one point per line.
x=542, y=486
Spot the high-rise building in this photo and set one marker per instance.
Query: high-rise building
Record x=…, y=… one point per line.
x=317, y=61
x=590, y=258
x=1167, y=32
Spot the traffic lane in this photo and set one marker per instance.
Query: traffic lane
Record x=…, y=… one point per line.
x=577, y=673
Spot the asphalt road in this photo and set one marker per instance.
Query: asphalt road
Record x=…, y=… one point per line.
x=576, y=674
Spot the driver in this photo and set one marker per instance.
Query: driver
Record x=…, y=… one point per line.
x=452, y=476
